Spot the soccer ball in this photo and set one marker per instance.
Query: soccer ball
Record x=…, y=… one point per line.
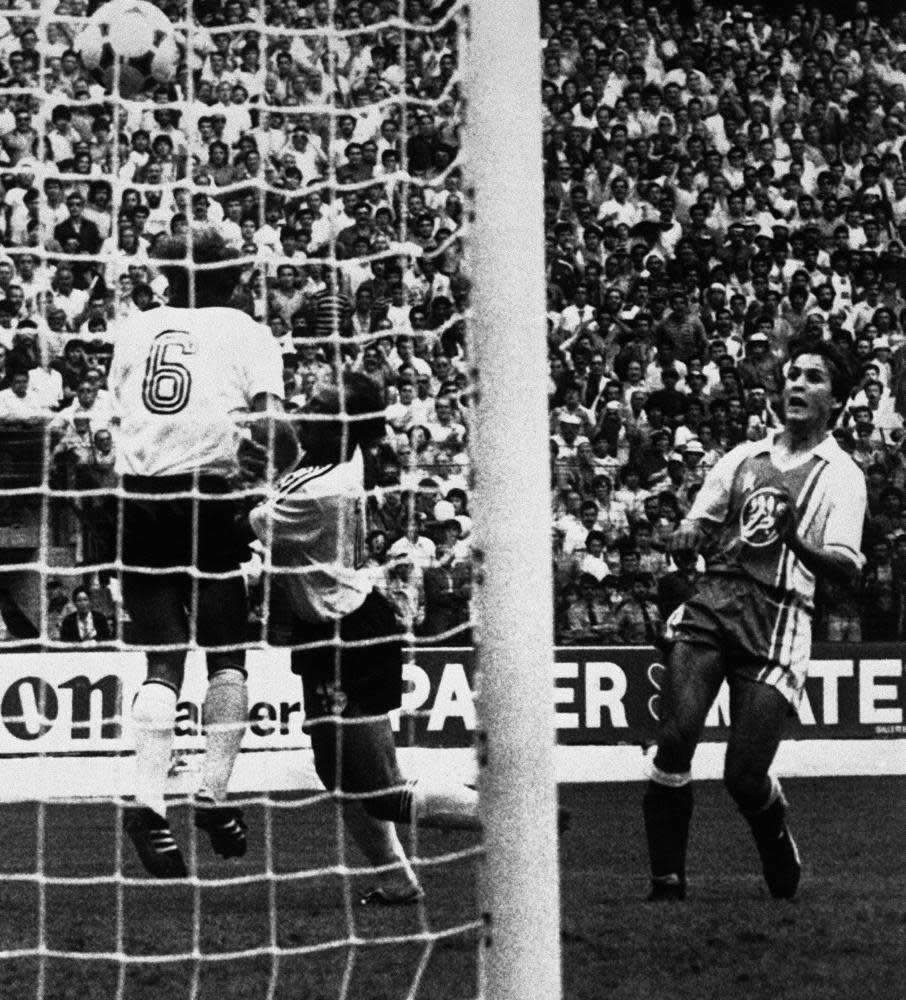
x=132, y=37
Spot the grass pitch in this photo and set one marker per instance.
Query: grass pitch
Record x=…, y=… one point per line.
x=844, y=937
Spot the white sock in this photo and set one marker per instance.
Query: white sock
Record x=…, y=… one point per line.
x=226, y=712
x=378, y=841
x=445, y=805
x=153, y=716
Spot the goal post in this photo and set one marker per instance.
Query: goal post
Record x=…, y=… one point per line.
x=510, y=447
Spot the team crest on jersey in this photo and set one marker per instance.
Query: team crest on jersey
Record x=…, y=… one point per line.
x=757, y=517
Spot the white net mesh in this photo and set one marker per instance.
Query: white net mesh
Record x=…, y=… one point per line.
x=318, y=139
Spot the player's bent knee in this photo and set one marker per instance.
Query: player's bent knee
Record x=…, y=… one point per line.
x=675, y=749
x=746, y=787
x=392, y=804
x=673, y=763
x=368, y=773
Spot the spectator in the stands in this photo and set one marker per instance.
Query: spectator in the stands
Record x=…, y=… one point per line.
x=20, y=401
x=448, y=587
x=638, y=620
x=589, y=616
x=85, y=625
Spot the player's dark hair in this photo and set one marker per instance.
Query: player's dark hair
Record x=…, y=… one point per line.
x=843, y=379
x=362, y=397
x=213, y=285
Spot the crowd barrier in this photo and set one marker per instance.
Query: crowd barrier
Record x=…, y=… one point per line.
x=65, y=727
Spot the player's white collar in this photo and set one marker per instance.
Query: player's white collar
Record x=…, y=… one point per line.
x=826, y=449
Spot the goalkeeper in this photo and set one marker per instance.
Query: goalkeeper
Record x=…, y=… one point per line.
x=177, y=376
x=351, y=666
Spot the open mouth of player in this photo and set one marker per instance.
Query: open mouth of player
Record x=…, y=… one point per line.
x=796, y=404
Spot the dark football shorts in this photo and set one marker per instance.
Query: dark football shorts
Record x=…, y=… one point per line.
x=159, y=533
x=352, y=681
x=762, y=635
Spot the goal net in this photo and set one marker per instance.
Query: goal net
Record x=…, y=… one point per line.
x=376, y=166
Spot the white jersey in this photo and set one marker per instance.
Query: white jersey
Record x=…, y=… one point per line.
x=178, y=376
x=314, y=525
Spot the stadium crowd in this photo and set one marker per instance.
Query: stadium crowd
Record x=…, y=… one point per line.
x=718, y=182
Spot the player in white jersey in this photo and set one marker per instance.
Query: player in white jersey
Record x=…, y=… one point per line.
x=313, y=527
x=771, y=516
x=180, y=378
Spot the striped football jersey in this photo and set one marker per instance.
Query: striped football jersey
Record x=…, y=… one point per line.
x=313, y=524
x=740, y=496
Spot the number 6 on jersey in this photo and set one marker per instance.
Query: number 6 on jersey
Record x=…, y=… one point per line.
x=168, y=382
x=178, y=378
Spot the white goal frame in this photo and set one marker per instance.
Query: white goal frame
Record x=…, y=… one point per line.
x=510, y=446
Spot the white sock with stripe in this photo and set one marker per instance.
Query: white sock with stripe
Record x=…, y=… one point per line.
x=226, y=712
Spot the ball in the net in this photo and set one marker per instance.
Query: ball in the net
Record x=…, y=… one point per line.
x=128, y=45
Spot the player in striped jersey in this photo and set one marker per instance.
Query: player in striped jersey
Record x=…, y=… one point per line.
x=178, y=375
x=312, y=525
x=771, y=516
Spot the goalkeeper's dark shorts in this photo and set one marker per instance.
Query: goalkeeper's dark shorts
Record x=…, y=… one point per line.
x=762, y=634
x=346, y=679
x=160, y=531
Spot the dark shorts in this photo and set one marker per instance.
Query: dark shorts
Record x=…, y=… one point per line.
x=160, y=533
x=352, y=680
x=761, y=635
